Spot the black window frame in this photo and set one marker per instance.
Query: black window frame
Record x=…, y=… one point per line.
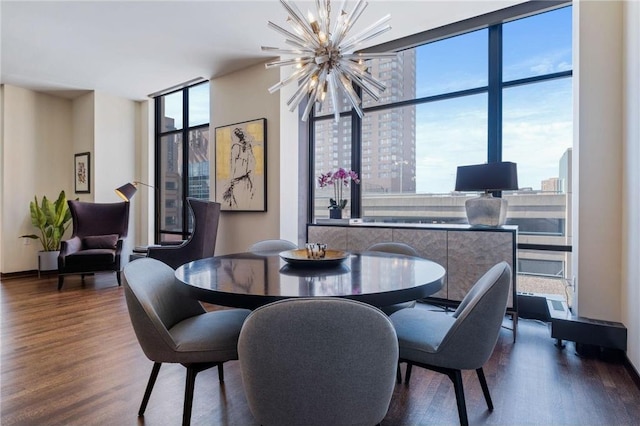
x=493, y=22
x=184, y=132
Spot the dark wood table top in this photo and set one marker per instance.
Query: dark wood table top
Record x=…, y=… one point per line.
x=250, y=280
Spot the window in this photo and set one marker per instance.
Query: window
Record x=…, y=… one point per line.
x=182, y=157
x=501, y=91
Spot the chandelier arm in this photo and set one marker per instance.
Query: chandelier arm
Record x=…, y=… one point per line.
x=297, y=17
x=297, y=73
x=286, y=33
x=300, y=46
x=303, y=87
x=364, y=56
x=339, y=29
x=356, y=42
x=312, y=99
x=352, y=18
x=357, y=80
x=294, y=61
x=285, y=51
x=309, y=37
x=351, y=94
x=371, y=28
x=363, y=75
x=322, y=15
x=334, y=96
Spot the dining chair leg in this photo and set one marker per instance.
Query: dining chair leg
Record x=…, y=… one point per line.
x=220, y=373
x=60, y=281
x=147, y=391
x=485, y=388
x=407, y=374
x=398, y=374
x=118, y=278
x=188, y=395
x=192, y=371
x=456, y=378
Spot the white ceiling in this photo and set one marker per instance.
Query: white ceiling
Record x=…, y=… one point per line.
x=134, y=48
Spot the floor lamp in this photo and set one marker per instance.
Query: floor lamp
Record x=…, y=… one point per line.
x=129, y=189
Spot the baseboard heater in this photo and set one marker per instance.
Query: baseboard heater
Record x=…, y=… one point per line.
x=585, y=331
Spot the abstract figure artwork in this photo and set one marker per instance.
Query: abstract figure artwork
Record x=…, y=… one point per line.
x=241, y=166
x=82, y=173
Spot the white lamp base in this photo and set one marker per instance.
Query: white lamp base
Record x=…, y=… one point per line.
x=486, y=210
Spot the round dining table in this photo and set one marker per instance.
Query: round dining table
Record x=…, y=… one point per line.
x=250, y=280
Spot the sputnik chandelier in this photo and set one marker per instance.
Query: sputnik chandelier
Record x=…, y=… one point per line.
x=324, y=60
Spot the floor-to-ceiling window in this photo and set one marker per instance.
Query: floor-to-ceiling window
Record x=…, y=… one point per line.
x=495, y=92
x=182, y=158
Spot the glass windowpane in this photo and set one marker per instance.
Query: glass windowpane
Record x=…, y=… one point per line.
x=453, y=64
x=199, y=104
x=171, y=112
x=332, y=151
x=171, y=182
x=537, y=45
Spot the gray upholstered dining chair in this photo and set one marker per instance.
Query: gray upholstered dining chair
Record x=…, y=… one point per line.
x=462, y=341
x=202, y=242
x=396, y=248
x=318, y=361
x=173, y=327
x=272, y=246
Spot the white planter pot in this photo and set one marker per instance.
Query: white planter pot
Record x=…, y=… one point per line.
x=48, y=260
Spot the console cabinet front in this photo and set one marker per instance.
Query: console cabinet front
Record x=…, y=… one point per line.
x=466, y=253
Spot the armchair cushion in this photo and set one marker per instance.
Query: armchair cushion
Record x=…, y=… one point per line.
x=100, y=242
x=91, y=258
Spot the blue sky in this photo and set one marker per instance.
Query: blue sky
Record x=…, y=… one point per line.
x=537, y=119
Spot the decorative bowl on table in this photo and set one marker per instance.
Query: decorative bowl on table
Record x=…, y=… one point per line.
x=315, y=255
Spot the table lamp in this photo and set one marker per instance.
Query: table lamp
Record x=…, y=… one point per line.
x=487, y=210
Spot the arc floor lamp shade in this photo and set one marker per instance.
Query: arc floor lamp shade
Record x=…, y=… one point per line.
x=487, y=210
x=126, y=191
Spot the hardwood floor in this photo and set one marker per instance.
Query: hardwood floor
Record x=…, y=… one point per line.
x=71, y=358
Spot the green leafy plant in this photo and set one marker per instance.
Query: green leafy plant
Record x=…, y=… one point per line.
x=52, y=219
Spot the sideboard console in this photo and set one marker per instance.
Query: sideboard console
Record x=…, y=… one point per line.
x=465, y=252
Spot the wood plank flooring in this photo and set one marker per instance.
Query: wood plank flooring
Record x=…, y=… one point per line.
x=72, y=358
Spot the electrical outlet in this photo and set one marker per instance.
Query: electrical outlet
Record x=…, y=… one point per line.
x=27, y=241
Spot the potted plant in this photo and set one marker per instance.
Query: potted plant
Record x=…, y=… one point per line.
x=52, y=220
x=340, y=179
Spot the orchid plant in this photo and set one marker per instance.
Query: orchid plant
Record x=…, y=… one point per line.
x=340, y=179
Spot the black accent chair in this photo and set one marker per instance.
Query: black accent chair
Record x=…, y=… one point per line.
x=202, y=242
x=99, y=230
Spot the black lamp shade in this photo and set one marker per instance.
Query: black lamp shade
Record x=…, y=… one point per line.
x=487, y=177
x=126, y=191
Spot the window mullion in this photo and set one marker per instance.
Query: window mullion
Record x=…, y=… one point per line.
x=494, y=128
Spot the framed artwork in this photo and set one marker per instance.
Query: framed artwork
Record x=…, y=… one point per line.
x=241, y=167
x=82, y=173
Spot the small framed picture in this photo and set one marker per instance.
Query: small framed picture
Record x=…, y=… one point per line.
x=241, y=166
x=82, y=173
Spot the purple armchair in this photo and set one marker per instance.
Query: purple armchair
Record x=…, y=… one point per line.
x=99, y=231
x=201, y=243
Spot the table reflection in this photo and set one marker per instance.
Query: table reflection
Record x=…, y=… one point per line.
x=250, y=280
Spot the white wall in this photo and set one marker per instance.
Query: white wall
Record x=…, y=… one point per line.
x=598, y=155
x=40, y=135
x=37, y=159
x=115, y=148
x=631, y=183
x=238, y=97
x=143, y=203
x=83, y=131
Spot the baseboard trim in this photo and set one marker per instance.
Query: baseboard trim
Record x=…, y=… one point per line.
x=632, y=371
x=26, y=274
